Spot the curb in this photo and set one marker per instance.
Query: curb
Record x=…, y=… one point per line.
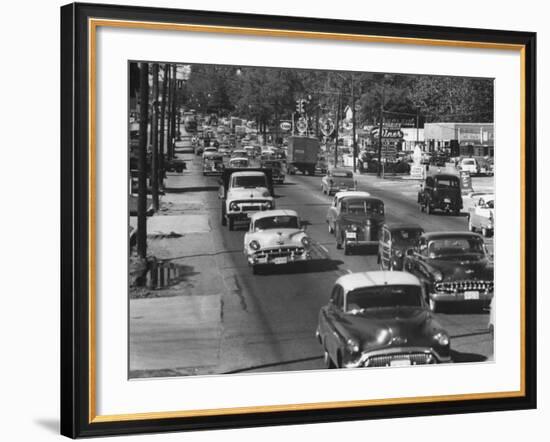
x=191, y=189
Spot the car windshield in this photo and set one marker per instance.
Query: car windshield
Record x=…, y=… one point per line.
x=447, y=182
x=489, y=204
x=387, y=296
x=249, y=181
x=402, y=235
x=341, y=174
x=276, y=222
x=272, y=164
x=468, y=162
x=239, y=163
x=450, y=246
x=362, y=206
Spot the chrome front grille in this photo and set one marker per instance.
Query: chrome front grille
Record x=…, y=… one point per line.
x=280, y=252
x=465, y=285
x=414, y=358
x=250, y=206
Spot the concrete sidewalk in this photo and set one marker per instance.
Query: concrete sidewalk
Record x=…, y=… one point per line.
x=191, y=179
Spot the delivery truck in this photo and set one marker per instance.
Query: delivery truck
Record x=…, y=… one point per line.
x=302, y=155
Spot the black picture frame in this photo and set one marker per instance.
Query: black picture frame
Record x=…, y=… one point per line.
x=75, y=220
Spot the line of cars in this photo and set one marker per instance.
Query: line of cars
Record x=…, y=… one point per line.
x=374, y=318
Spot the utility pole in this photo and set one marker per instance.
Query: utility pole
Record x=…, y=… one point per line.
x=381, y=127
x=417, y=123
x=336, y=130
x=142, y=160
x=353, y=127
x=155, y=136
x=162, y=121
x=174, y=95
x=168, y=74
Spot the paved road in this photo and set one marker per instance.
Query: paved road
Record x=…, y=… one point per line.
x=267, y=321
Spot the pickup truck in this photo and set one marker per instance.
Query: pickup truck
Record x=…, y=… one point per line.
x=244, y=192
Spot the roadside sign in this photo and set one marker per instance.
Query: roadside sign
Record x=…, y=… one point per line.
x=465, y=182
x=286, y=125
x=326, y=126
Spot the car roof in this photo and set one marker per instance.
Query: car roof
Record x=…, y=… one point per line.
x=455, y=234
x=248, y=173
x=238, y=159
x=402, y=226
x=367, y=198
x=443, y=175
x=359, y=280
x=351, y=193
x=268, y=213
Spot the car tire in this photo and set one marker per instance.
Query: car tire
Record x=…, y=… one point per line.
x=338, y=240
x=224, y=218
x=231, y=224
x=421, y=206
x=347, y=249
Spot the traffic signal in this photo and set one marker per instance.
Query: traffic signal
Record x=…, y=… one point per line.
x=301, y=106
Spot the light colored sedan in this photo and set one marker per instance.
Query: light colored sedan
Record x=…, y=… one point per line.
x=276, y=237
x=481, y=215
x=337, y=180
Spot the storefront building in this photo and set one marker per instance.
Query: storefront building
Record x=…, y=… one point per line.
x=460, y=139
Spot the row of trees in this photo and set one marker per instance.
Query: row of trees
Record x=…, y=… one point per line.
x=269, y=94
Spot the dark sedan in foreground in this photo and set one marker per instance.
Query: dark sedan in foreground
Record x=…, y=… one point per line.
x=453, y=267
x=380, y=319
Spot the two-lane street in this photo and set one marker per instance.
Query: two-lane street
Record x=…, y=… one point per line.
x=267, y=321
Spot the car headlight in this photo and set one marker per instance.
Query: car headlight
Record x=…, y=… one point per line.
x=306, y=241
x=442, y=338
x=268, y=204
x=352, y=227
x=352, y=345
x=438, y=276
x=233, y=206
x=254, y=245
x=265, y=194
x=399, y=253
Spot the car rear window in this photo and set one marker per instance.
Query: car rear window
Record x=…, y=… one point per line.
x=447, y=182
x=342, y=174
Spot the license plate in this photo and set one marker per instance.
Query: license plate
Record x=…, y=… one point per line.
x=446, y=200
x=471, y=295
x=351, y=235
x=400, y=363
x=280, y=260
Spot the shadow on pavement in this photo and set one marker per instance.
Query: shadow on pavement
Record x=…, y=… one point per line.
x=458, y=357
x=274, y=364
x=312, y=266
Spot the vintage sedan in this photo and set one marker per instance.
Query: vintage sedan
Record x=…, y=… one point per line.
x=337, y=180
x=276, y=170
x=440, y=191
x=394, y=241
x=481, y=216
x=333, y=210
x=380, y=319
x=356, y=221
x=276, y=237
x=212, y=163
x=453, y=267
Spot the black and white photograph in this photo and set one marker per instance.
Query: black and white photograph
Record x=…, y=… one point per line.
x=285, y=219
